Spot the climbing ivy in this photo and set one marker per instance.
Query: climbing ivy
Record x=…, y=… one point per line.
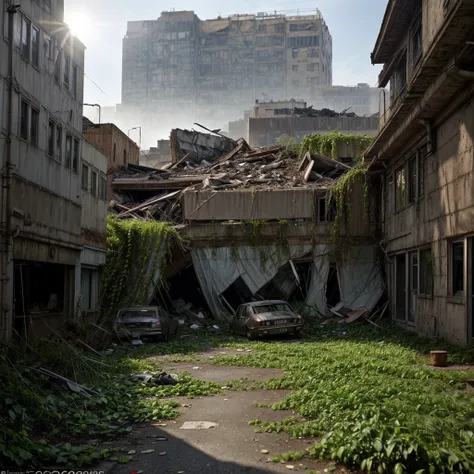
x=136, y=250
x=328, y=143
x=341, y=194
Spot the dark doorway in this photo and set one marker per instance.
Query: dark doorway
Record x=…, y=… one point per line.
x=185, y=285
x=333, y=292
x=400, y=287
x=237, y=293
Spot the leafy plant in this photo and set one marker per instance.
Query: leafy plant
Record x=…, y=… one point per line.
x=136, y=251
x=328, y=144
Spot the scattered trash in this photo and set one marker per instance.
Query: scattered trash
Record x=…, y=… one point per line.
x=194, y=326
x=132, y=452
x=225, y=388
x=185, y=405
x=162, y=454
x=158, y=424
x=137, y=342
x=264, y=451
x=181, y=322
x=290, y=467
x=215, y=327
x=148, y=451
x=200, y=315
x=198, y=425
x=158, y=379
x=196, y=368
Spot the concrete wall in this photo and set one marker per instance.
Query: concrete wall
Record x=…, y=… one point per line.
x=94, y=207
x=265, y=131
x=445, y=212
x=119, y=149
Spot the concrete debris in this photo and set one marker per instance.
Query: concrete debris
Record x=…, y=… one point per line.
x=310, y=112
x=216, y=163
x=198, y=425
x=158, y=379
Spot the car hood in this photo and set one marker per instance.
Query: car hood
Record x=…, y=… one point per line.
x=135, y=320
x=276, y=315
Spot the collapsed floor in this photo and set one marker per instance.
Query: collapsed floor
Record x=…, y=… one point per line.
x=319, y=275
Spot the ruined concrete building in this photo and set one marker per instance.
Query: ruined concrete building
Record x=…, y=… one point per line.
x=424, y=152
x=181, y=63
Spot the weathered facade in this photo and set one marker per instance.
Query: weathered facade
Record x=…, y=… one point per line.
x=424, y=151
x=117, y=146
x=265, y=131
x=94, y=227
x=40, y=163
x=179, y=64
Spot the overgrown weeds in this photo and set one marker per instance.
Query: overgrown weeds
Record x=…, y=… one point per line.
x=371, y=401
x=42, y=424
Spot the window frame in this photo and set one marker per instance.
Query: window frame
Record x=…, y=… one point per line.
x=67, y=73
x=85, y=173
x=103, y=187
x=24, y=124
x=74, y=80
x=458, y=294
x=329, y=216
x=399, y=207
x=51, y=138
x=57, y=65
x=423, y=285
x=76, y=148
x=58, y=147
x=94, y=183
x=412, y=181
x=25, y=51
x=68, y=151
x=35, y=47
x=34, y=141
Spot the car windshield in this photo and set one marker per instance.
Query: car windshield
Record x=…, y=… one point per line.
x=270, y=308
x=138, y=313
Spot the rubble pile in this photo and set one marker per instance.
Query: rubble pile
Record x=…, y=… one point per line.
x=148, y=193
x=310, y=112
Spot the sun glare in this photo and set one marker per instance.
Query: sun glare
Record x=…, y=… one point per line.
x=81, y=25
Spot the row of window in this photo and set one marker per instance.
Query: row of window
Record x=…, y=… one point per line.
x=30, y=52
x=29, y=131
x=94, y=182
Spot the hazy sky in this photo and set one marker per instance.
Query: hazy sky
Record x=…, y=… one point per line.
x=101, y=25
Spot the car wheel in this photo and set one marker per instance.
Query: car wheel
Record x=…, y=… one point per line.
x=249, y=335
x=166, y=336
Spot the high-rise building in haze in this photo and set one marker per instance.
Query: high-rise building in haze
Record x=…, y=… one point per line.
x=179, y=64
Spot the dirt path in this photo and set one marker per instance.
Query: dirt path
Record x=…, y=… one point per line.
x=232, y=446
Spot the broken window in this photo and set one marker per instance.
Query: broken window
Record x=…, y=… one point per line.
x=400, y=188
x=457, y=268
x=426, y=272
x=59, y=140
x=262, y=28
x=327, y=213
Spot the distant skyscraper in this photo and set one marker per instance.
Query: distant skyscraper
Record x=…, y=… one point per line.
x=180, y=64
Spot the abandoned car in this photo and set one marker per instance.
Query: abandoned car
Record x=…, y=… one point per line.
x=266, y=318
x=145, y=322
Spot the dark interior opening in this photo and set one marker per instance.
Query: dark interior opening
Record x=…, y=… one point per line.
x=333, y=292
x=237, y=294
x=39, y=288
x=185, y=286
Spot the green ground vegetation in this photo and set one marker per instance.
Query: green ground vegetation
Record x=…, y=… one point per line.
x=366, y=397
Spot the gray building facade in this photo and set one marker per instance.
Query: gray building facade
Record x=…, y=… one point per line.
x=180, y=64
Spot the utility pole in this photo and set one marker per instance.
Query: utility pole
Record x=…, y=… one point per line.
x=6, y=320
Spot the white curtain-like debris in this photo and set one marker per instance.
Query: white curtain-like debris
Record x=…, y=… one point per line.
x=217, y=269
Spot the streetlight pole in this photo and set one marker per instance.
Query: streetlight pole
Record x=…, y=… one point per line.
x=95, y=105
x=140, y=135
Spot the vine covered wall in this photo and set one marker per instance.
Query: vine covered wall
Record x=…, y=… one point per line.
x=328, y=144
x=136, y=252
